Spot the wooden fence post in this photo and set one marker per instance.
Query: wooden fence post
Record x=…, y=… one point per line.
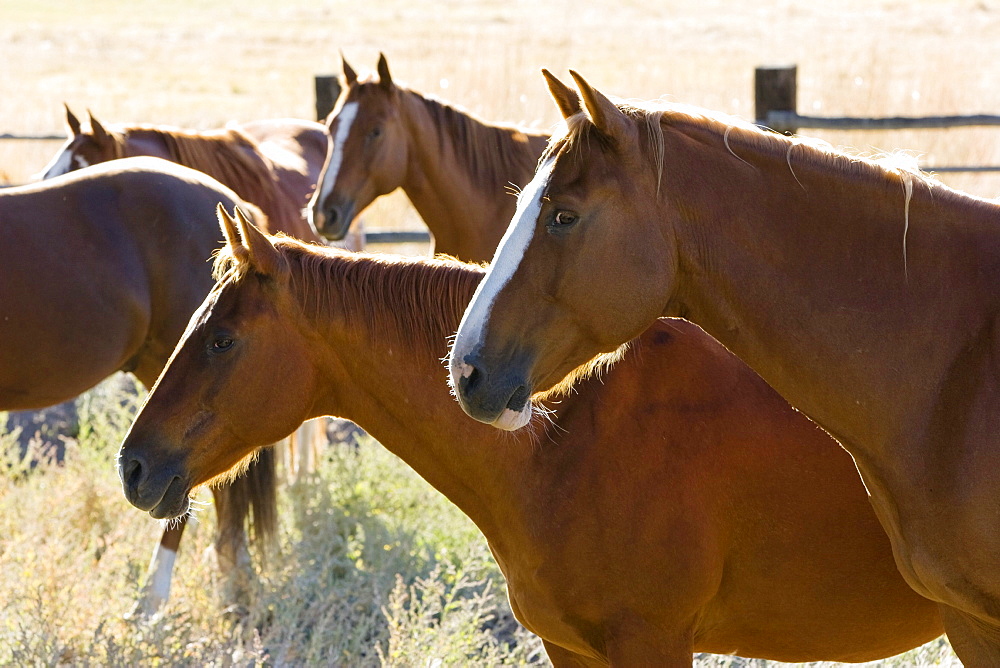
x=327, y=92
x=775, y=90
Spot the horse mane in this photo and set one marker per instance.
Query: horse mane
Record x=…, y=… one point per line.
x=494, y=153
x=393, y=297
x=228, y=155
x=894, y=171
x=708, y=126
x=386, y=294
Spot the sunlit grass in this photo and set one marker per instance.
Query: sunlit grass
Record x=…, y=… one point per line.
x=370, y=559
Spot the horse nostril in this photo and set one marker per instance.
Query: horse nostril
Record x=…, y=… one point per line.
x=470, y=378
x=332, y=216
x=132, y=473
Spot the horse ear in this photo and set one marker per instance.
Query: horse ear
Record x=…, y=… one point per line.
x=350, y=77
x=566, y=98
x=384, y=78
x=72, y=122
x=263, y=257
x=101, y=135
x=228, y=225
x=603, y=113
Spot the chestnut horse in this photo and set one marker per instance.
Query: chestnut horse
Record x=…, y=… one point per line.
x=272, y=163
x=456, y=169
x=101, y=271
x=645, y=520
x=866, y=295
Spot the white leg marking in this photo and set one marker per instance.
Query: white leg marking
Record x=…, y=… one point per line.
x=345, y=119
x=158, y=577
x=163, y=561
x=505, y=262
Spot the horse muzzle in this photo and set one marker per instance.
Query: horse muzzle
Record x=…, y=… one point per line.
x=161, y=491
x=499, y=397
x=333, y=221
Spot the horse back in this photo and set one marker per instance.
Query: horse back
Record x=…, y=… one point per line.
x=102, y=269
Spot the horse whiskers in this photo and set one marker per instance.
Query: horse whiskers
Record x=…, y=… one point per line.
x=175, y=522
x=538, y=424
x=548, y=416
x=195, y=507
x=446, y=362
x=512, y=189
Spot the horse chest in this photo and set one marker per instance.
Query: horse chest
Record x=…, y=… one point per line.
x=555, y=609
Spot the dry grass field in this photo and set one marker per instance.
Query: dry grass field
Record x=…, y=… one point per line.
x=72, y=550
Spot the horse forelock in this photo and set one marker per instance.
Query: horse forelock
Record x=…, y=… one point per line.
x=229, y=265
x=578, y=130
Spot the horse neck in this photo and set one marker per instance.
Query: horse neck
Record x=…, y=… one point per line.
x=387, y=376
x=144, y=140
x=800, y=270
x=463, y=197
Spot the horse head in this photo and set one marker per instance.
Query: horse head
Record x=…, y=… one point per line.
x=203, y=417
x=368, y=155
x=573, y=276
x=82, y=148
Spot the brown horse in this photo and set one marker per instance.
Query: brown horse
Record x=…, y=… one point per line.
x=101, y=271
x=866, y=295
x=456, y=169
x=271, y=163
x=644, y=521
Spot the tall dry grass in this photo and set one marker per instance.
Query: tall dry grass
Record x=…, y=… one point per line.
x=372, y=567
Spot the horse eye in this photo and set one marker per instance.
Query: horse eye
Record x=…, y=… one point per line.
x=564, y=219
x=375, y=133
x=222, y=344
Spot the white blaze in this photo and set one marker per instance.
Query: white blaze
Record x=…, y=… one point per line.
x=62, y=163
x=505, y=262
x=344, y=121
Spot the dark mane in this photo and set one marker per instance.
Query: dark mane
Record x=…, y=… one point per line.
x=386, y=294
x=229, y=156
x=494, y=154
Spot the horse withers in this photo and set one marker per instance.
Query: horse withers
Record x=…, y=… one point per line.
x=102, y=269
x=674, y=505
x=863, y=291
